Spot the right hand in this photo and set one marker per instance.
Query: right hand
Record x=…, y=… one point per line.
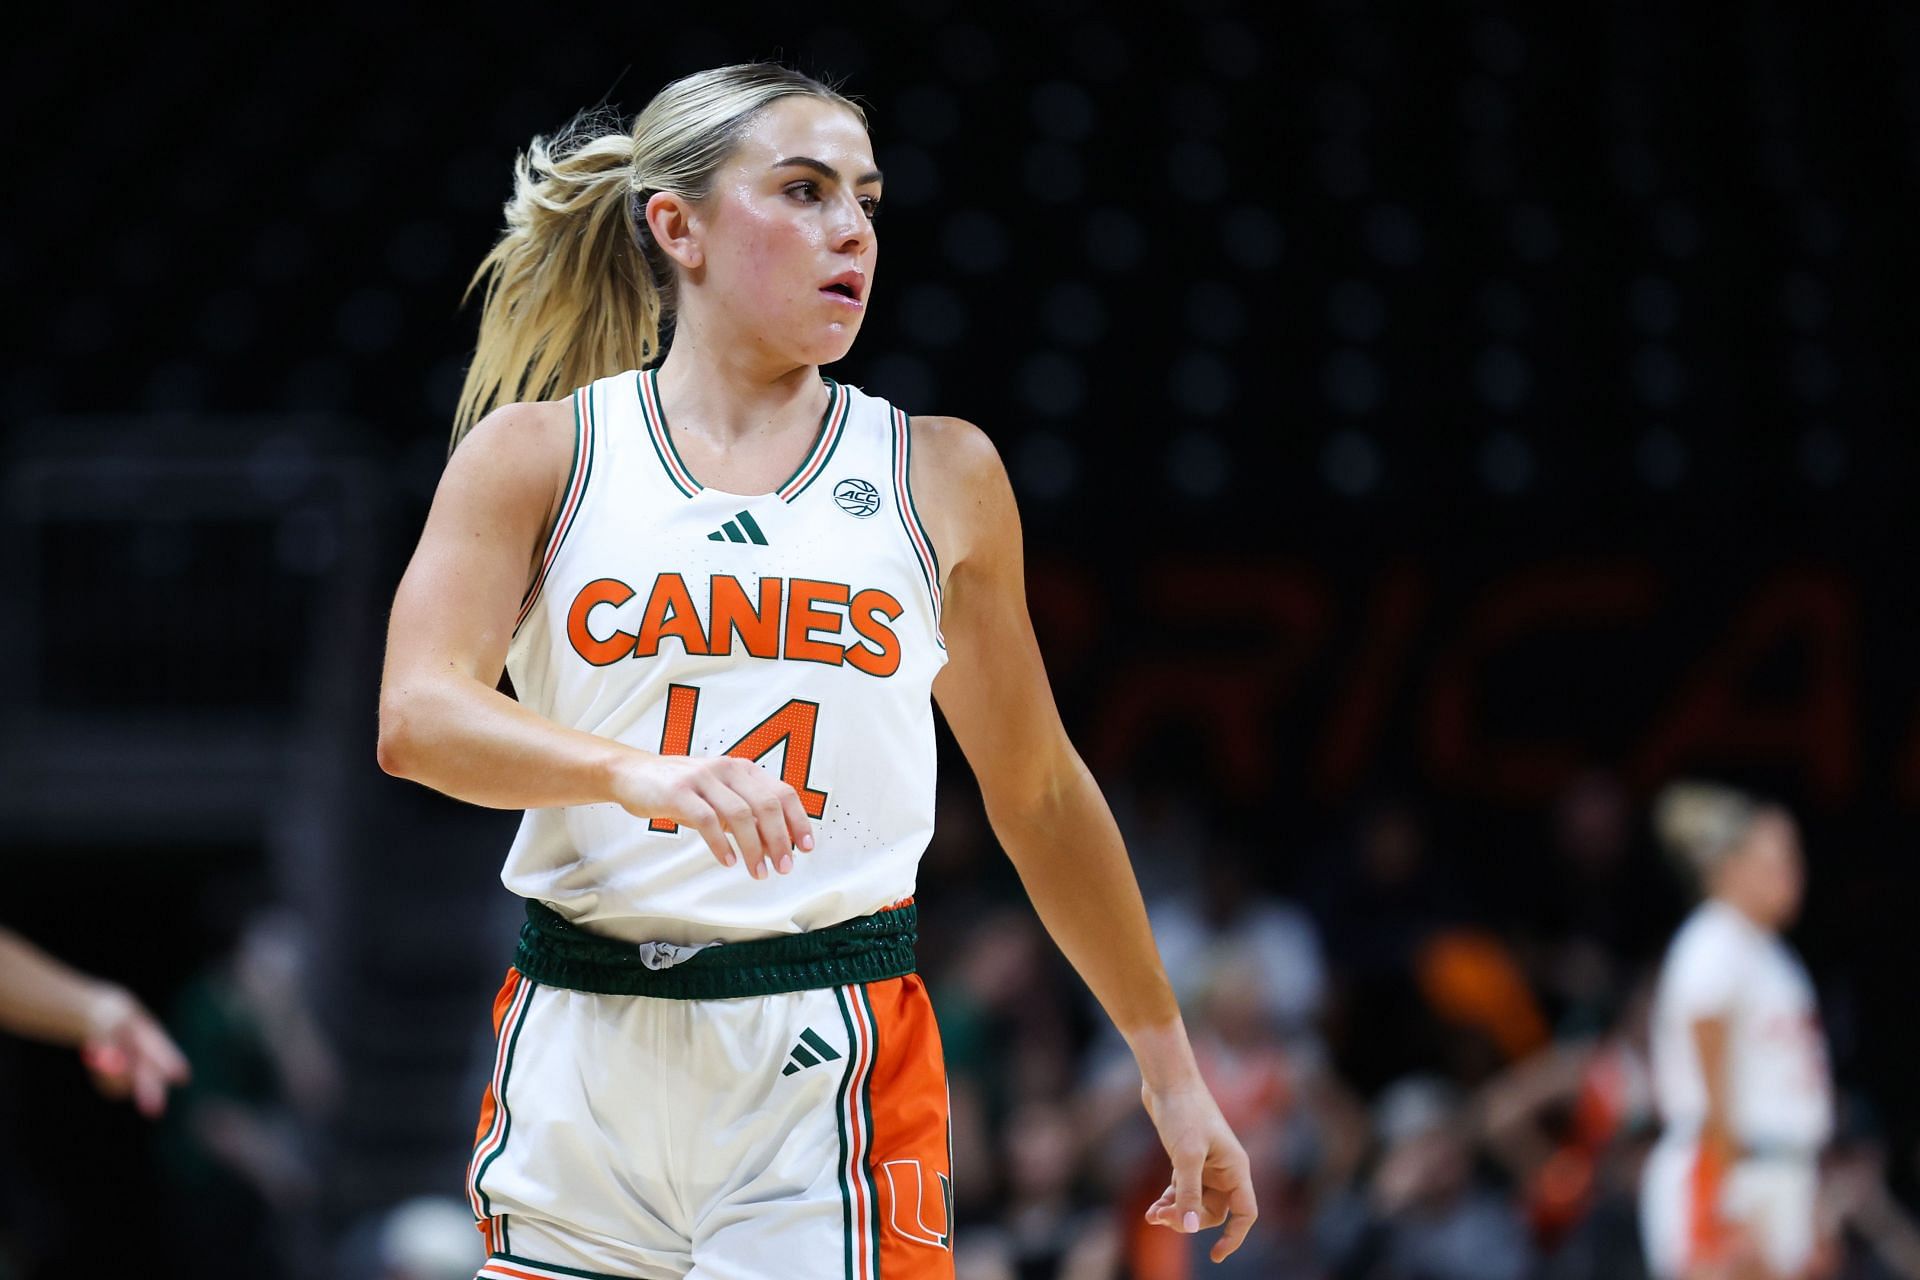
x=721, y=796
x=127, y=1052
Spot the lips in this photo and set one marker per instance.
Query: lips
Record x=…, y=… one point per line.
x=848, y=285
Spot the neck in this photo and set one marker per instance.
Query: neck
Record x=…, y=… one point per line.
x=1752, y=913
x=735, y=390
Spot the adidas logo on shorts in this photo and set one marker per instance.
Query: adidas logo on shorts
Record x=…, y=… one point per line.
x=810, y=1052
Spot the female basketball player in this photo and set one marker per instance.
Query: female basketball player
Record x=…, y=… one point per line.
x=724, y=586
x=1739, y=1060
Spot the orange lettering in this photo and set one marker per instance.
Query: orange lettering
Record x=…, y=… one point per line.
x=683, y=624
x=803, y=619
x=866, y=612
x=729, y=608
x=616, y=646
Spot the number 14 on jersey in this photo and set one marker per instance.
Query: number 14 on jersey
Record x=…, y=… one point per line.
x=793, y=724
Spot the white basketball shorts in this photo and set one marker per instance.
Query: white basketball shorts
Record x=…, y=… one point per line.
x=1682, y=1201
x=800, y=1135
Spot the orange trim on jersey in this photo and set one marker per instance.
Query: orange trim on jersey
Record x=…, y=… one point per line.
x=656, y=420
x=507, y=1004
x=495, y=1267
x=839, y=402
x=910, y=517
x=908, y=1152
x=1706, y=1230
x=583, y=424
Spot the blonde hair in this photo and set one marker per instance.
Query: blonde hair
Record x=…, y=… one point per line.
x=576, y=288
x=1702, y=822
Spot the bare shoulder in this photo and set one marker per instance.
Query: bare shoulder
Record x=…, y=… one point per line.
x=515, y=437
x=959, y=483
x=510, y=472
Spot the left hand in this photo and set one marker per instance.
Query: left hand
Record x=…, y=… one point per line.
x=1211, y=1179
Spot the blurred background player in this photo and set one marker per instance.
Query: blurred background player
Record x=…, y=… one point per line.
x=1740, y=1070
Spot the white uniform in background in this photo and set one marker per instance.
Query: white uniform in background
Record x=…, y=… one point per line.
x=668, y=1098
x=1779, y=1100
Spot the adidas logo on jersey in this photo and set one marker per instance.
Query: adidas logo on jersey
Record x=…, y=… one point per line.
x=810, y=1052
x=739, y=529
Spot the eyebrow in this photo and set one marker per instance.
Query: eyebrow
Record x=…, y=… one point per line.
x=826, y=170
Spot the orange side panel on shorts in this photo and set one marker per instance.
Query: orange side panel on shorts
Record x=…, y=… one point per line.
x=910, y=1143
x=1706, y=1233
x=500, y=1004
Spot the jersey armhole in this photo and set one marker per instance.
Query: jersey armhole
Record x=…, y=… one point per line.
x=916, y=529
x=579, y=473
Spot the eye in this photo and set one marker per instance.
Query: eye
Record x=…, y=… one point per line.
x=872, y=205
x=806, y=192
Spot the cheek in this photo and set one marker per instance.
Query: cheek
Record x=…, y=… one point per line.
x=776, y=257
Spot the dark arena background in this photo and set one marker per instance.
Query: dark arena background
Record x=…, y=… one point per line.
x=1435, y=427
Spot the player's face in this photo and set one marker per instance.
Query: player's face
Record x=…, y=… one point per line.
x=1776, y=877
x=788, y=231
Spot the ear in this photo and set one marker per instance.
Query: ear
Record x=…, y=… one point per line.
x=672, y=219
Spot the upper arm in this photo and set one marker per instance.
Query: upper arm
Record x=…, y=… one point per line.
x=1705, y=972
x=1710, y=1043
x=455, y=609
x=993, y=690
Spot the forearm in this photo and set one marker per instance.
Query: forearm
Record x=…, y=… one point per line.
x=474, y=743
x=42, y=999
x=1070, y=857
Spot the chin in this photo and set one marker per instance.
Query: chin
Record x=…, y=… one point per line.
x=832, y=346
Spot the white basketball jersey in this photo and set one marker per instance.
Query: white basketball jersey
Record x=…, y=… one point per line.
x=1721, y=964
x=798, y=628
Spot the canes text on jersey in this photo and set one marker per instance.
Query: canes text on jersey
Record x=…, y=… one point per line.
x=796, y=618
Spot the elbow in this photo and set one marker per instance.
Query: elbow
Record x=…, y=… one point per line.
x=1033, y=796
x=395, y=747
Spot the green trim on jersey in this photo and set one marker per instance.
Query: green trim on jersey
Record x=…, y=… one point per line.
x=649, y=381
x=586, y=418
x=506, y=1073
x=840, y=1118
x=826, y=438
x=555, y=1267
x=866, y=1110
x=833, y=426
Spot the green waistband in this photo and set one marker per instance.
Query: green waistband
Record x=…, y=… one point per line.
x=872, y=948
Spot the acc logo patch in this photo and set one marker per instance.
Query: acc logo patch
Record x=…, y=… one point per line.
x=857, y=497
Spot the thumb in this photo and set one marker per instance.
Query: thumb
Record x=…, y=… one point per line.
x=1186, y=1190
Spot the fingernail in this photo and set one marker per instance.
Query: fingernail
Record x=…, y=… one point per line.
x=1191, y=1222
x=806, y=843
x=729, y=857
x=786, y=863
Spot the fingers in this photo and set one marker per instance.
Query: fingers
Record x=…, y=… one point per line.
x=799, y=825
x=770, y=824
x=736, y=815
x=760, y=812
x=158, y=1050
x=742, y=812
x=700, y=815
x=1241, y=1214
x=149, y=1089
x=1187, y=1198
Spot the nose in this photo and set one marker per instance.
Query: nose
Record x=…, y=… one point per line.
x=852, y=229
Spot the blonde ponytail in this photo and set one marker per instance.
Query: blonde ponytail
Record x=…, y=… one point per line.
x=576, y=289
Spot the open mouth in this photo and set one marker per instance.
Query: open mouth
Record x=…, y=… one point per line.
x=847, y=285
